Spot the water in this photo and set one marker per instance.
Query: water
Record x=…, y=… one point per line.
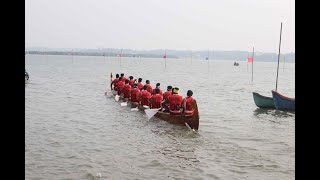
x=73, y=131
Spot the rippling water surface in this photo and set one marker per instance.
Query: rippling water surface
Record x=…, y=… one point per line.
x=73, y=131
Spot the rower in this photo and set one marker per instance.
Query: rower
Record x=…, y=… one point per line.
x=140, y=86
x=123, y=77
x=135, y=93
x=187, y=104
x=114, y=82
x=149, y=86
x=126, y=89
x=175, y=102
x=120, y=85
x=166, y=94
x=156, y=100
x=131, y=81
x=157, y=87
x=145, y=97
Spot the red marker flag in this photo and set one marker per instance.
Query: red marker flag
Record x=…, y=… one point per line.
x=249, y=60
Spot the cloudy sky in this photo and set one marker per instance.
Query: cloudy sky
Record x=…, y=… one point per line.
x=161, y=24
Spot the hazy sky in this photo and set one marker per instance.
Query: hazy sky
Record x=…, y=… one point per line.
x=161, y=24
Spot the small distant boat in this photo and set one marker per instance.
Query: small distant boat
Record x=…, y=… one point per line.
x=236, y=64
x=282, y=102
x=263, y=101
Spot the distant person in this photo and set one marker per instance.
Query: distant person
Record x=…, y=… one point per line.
x=140, y=85
x=114, y=82
x=188, y=104
x=126, y=89
x=175, y=102
x=149, y=86
x=156, y=100
x=157, y=87
x=120, y=86
x=131, y=81
x=145, y=97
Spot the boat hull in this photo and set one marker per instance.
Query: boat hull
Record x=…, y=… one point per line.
x=263, y=101
x=282, y=102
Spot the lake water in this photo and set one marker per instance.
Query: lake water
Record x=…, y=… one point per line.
x=73, y=131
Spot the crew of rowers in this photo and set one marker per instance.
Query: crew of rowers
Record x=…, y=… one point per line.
x=144, y=95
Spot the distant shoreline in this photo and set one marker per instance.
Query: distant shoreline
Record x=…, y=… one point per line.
x=237, y=56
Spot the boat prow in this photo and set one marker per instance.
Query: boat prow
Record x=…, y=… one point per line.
x=282, y=102
x=263, y=101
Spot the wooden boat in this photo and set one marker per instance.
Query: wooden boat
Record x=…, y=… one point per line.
x=282, y=102
x=192, y=121
x=263, y=101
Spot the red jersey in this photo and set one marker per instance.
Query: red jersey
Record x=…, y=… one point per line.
x=140, y=86
x=124, y=79
x=126, y=91
x=131, y=82
x=175, y=102
x=149, y=88
x=189, y=101
x=135, y=93
x=145, y=98
x=156, y=101
x=154, y=91
x=120, y=85
x=166, y=96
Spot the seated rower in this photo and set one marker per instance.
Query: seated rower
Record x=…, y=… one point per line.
x=135, y=94
x=131, y=81
x=120, y=86
x=175, y=102
x=145, y=97
x=114, y=82
x=187, y=104
x=156, y=100
x=149, y=86
x=157, y=87
x=165, y=102
x=126, y=90
x=123, y=77
x=140, y=86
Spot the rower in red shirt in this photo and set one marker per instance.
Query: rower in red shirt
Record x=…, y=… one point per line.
x=126, y=90
x=131, y=81
x=140, y=85
x=166, y=94
x=156, y=100
x=114, y=82
x=123, y=77
x=175, y=102
x=134, y=94
x=145, y=97
x=149, y=86
x=157, y=87
x=120, y=86
x=188, y=104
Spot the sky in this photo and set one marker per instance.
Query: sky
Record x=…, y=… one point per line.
x=230, y=25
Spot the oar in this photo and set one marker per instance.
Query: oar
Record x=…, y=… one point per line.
x=151, y=112
x=117, y=97
x=124, y=104
x=134, y=109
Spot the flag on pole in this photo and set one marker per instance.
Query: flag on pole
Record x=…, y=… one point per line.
x=249, y=60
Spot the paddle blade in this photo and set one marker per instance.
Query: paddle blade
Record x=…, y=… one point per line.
x=151, y=112
x=124, y=104
x=117, y=97
x=134, y=109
